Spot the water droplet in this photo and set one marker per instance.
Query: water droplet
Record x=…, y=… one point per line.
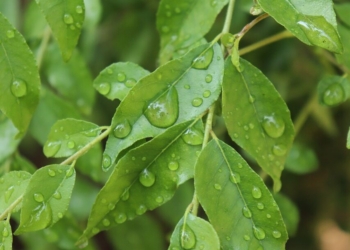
x=177, y=10
x=130, y=83
x=106, y=161
x=208, y=78
x=235, y=178
x=38, y=197
x=51, y=148
x=333, y=95
x=111, y=206
x=240, y=165
x=121, y=77
x=259, y=233
x=5, y=232
x=122, y=130
x=19, y=88
x=95, y=230
x=235, y=135
x=246, y=128
x=141, y=210
x=106, y=222
x=203, y=61
x=173, y=165
x=168, y=14
x=51, y=172
x=256, y=192
x=8, y=193
x=125, y=195
x=268, y=216
x=188, y=238
x=71, y=144
x=165, y=29
x=143, y=158
x=163, y=112
x=260, y=206
x=251, y=125
x=273, y=126
x=276, y=234
x=79, y=9
x=10, y=34
x=279, y=150
x=251, y=99
x=159, y=199
x=186, y=86
x=196, y=102
x=57, y=195
x=246, y=136
x=104, y=88
x=68, y=19
x=214, y=3
x=246, y=212
x=120, y=218
x=70, y=172
x=271, y=157
x=91, y=132
x=246, y=237
x=206, y=93
x=217, y=186
x=147, y=178
x=193, y=137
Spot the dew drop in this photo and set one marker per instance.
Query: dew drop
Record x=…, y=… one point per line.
x=276, y=234
x=188, y=238
x=111, y=206
x=251, y=99
x=333, y=95
x=168, y=14
x=235, y=178
x=5, y=232
x=173, y=165
x=95, y=230
x=196, y=102
x=121, y=77
x=57, y=195
x=260, y=206
x=104, y=88
x=91, y=132
x=10, y=34
x=246, y=212
x=70, y=172
x=279, y=150
x=259, y=233
x=256, y=192
x=246, y=237
x=246, y=128
x=214, y=3
x=203, y=61
x=8, y=193
x=193, y=137
x=19, y=88
x=240, y=165
x=130, y=83
x=235, y=135
x=125, y=195
x=208, y=78
x=159, y=199
x=251, y=125
x=141, y=210
x=120, y=218
x=71, y=144
x=186, y=86
x=177, y=10
x=147, y=178
x=51, y=172
x=206, y=93
x=106, y=222
x=165, y=29
x=106, y=161
x=217, y=186
x=38, y=197
x=68, y=19
x=51, y=148
x=122, y=130
x=79, y=9
x=273, y=126
x=164, y=111
x=268, y=216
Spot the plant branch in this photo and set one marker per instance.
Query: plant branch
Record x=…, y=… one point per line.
x=11, y=207
x=43, y=46
x=228, y=18
x=251, y=25
x=304, y=113
x=332, y=60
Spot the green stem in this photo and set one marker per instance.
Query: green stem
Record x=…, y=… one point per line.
x=304, y=113
x=11, y=207
x=266, y=41
x=228, y=18
x=43, y=46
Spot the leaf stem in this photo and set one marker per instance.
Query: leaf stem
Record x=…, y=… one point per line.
x=43, y=46
x=228, y=18
x=266, y=41
x=304, y=113
x=11, y=207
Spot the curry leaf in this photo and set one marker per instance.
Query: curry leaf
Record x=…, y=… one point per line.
x=8, y=143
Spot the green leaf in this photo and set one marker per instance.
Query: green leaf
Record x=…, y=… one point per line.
x=343, y=11
x=301, y=159
x=116, y=80
x=193, y=232
x=5, y=235
x=236, y=200
x=146, y=177
x=44, y=205
x=19, y=77
x=65, y=18
x=345, y=37
x=183, y=22
x=11, y=9
x=257, y=118
x=289, y=213
x=72, y=80
x=21, y=163
x=312, y=22
x=68, y=136
x=51, y=108
x=333, y=90
x=12, y=186
x=34, y=23
x=348, y=140
x=176, y=92
x=8, y=143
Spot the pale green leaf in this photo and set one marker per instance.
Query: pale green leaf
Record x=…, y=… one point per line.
x=289, y=211
x=345, y=38
x=11, y=9
x=333, y=90
x=146, y=177
x=5, y=235
x=195, y=233
x=8, y=143
x=19, y=77
x=65, y=18
x=72, y=80
x=343, y=11
x=257, y=118
x=68, y=136
x=44, y=205
x=34, y=23
x=236, y=200
x=12, y=186
x=301, y=159
x=182, y=23
x=313, y=22
x=116, y=80
x=176, y=92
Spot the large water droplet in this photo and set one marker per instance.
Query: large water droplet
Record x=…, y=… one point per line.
x=235, y=178
x=147, y=178
x=122, y=130
x=10, y=34
x=246, y=212
x=130, y=83
x=51, y=148
x=71, y=144
x=121, y=77
x=246, y=237
x=38, y=197
x=70, y=172
x=206, y=93
x=279, y=150
x=104, y=88
x=8, y=193
x=68, y=19
x=106, y=222
x=188, y=238
x=51, y=172
x=106, y=161
x=208, y=78
x=120, y=218
x=333, y=95
x=57, y=195
x=159, y=199
x=173, y=165
x=141, y=210
x=256, y=192
x=19, y=88
x=193, y=137
x=273, y=126
x=163, y=112
x=259, y=233
x=79, y=9
x=196, y=102
x=260, y=206
x=203, y=61
x=276, y=234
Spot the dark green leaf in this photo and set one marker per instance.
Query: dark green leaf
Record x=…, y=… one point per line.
x=65, y=18
x=19, y=77
x=12, y=186
x=44, y=205
x=313, y=22
x=176, y=92
x=194, y=233
x=343, y=11
x=116, y=80
x=236, y=200
x=257, y=118
x=301, y=159
x=68, y=136
x=146, y=177
x=21, y=163
x=5, y=235
x=182, y=23
x=289, y=213
x=8, y=143
x=345, y=37
x=333, y=90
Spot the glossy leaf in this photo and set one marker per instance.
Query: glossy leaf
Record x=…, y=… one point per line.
x=19, y=77
x=8, y=143
x=236, y=200
x=301, y=159
x=343, y=11
x=68, y=136
x=257, y=118
x=44, y=205
x=183, y=22
x=5, y=235
x=193, y=232
x=12, y=186
x=116, y=80
x=289, y=213
x=72, y=80
x=65, y=18
x=146, y=177
x=333, y=90
x=176, y=92
x=345, y=37
x=313, y=22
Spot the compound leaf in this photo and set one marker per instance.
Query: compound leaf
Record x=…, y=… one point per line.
x=257, y=118
x=5, y=235
x=236, y=200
